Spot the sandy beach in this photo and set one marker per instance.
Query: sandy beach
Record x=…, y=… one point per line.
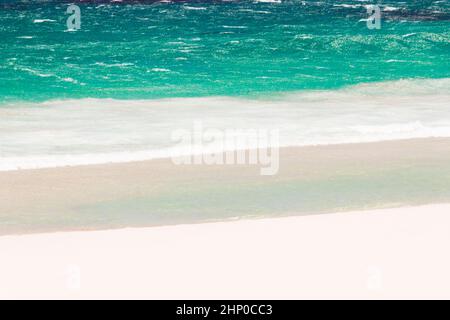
x=392, y=253
x=153, y=229
x=261, y=149
x=310, y=180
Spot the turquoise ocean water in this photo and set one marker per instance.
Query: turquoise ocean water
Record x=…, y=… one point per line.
x=226, y=48
x=117, y=88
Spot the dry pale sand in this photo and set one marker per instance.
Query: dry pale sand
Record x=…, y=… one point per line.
x=390, y=253
x=310, y=180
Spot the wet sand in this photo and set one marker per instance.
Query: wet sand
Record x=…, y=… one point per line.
x=310, y=180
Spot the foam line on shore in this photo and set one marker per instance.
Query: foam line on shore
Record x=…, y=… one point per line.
x=94, y=131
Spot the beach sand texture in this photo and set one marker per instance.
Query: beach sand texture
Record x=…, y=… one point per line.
x=310, y=180
x=390, y=253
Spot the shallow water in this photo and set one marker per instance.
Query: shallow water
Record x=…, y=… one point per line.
x=118, y=88
x=89, y=131
x=310, y=181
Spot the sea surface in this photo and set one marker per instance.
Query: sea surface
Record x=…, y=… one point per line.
x=118, y=88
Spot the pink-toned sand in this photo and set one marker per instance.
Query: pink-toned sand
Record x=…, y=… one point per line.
x=392, y=253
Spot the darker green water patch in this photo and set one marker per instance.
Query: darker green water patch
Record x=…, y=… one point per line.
x=206, y=202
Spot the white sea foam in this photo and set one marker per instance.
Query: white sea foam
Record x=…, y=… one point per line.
x=160, y=70
x=194, y=8
x=43, y=20
x=268, y=1
x=388, y=9
x=353, y=6
x=95, y=131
